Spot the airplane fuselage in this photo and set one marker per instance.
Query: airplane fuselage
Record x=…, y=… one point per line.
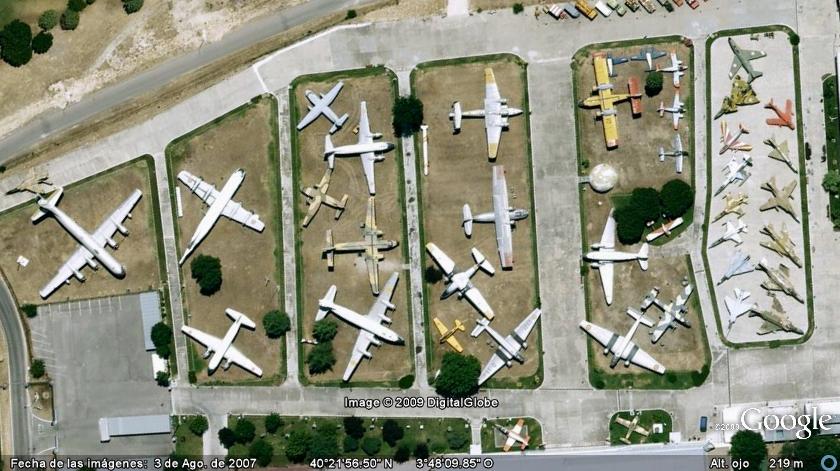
x=86, y=240
x=515, y=214
x=215, y=211
x=607, y=256
x=218, y=356
x=460, y=282
x=364, y=323
x=507, y=350
x=351, y=150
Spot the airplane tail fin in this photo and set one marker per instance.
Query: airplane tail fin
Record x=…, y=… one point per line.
x=341, y=205
x=52, y=201
x=328, y=151
x=324, y=303
x=330, y=249
x=459, y=325
x=468, y=220
x=643, y=256
x=481, y=325
x=639, y=317
x=339, y=123
x=661, y=109
x=238, y=316
x=482, y=261
x=661, y=154
x=455, y=115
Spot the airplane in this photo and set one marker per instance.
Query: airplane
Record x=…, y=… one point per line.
x=370, y=326
x=731, y=232
x=459, y=282
x=732, y=142
x=220, y=203
x=514, y=435
x=677, y=68
x=317, y=195
x=677, y=152
x=741, y=94
x=496, y=113
x=510, y=347
x=503, y=217
x=781, y=243
x=784, y=118
x=677, y=109
x=622, y=347
x=742, y=59
x=91, y=250
x=371, y=244
x=320, y=105
x=739, y=263
x=448, y=335
x=223, y=349
x=35, y=181
x=733, y=204
x=664, y=229
x=736, y=171
x=738, y=305
x=367, y=150
x=671, y=313
x=632, y=427
x=613, y=61
x=605, y=100
x=604, y=256
x=775, y=319
x=648, y=54
x=780, y=152
x=778, y=279
x=781, y=199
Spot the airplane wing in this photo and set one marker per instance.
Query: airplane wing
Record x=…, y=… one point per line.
x=767, y=328
x=788, y=189
x=679, y=162
x=504, y=238
x=373, y=272
x=639, y=357
x=360, y=349
x=211, y=342
x=494, y=135
x=233, y=355
x=208, y=194
x=656, y=53
x=312, y=115
x=451, y=340
x=476, y=298
x=610, y=340
x=444, y=262
x=330, y=96
x=526, y=326
x=365, y=136
x=368, y=159
x=776, y=122
x=608, y=236
x=108, y=227
x=751, y=55
x=509, y=443
x=518, y=427
x=735, y=67
x=236, y=212
x=491, y=90
x=73, y=265
x=605, y=271
x=383, y=301
x=493, y=365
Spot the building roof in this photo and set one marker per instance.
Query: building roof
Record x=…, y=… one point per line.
x=150, y=311
x=137, y=425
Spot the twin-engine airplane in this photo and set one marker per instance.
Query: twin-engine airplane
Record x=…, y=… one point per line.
x=605, y=255
x=320, y=105
x=510, y=347
x=223, y=349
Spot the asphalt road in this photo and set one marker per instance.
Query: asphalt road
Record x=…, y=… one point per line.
x=17, y=372
x=52, y=121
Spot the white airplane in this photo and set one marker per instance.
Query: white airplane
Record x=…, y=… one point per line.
x=220, y=203
x=514, y=435
x=365, y=148
x=510, y=347
x=677, y=109
x=460, y=282
x=223, y=349
x=91, y=249
x=605, y=255
x=503, y=217
x=676, y=152
x=672, y=313
x=370, y=326
x=622, y=347
x=495, y=113
x=677, y=68
x=736, y=170
x=731, y=232
x=732, y=141
x=738, y=305
x=320, y=105
x=739, y=263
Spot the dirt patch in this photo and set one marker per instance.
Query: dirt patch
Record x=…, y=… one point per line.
x=245, y=138
x=48, y=246
x=461, y=173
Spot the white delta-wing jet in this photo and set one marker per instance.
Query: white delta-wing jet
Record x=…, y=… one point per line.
x=220, y=203
x=677, y=109
x=510, y=347
x=91, y=249
x=605, y=255
x=677, y=68
x=366, y=149
x=320, y=105
x=739, y=264
x=370, y=326
x=223, y=349
x=503, y=217
x=622, y=347
x=495, y=113
x=459, y=282
x=737, y=305
x=731, y=232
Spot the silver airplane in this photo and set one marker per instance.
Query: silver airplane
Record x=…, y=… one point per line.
x=223, y=349
x=731, y=232
x=742, y=58
x=736, y=170
x=623, y=348
x=676, y=152
x=604, y=256
x=677, y=68
x=459, y=282
x=677, y=110
x=510, y=347
x=320, y=105
x=737, y=305
x=739, y=264
x=672, y=313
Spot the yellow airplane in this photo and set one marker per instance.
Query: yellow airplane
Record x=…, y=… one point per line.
x=448, y=335
x=606, y=100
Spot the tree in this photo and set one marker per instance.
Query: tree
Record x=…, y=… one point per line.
x=42, y=42
x=198, y=425
x=324, y=443
x=38, y=369
x=276, y=324
x=29, y=310
x=324, y=330
x=69, y=20
x=76, y=5
x=351, y=14
x=298, y=445
x=162, y=339
x=831, y=181
x=227, y=437
x=48, y=20
x=749, y=446
x=132, y=6
x=262, y=451
x=350, y=444
x=653, y=83
x=273, y=422
x=320, y=358
x=162, y=379
x=677, y=197
x=811, y=450
x=408, y=115
x=245, y=431
x=421, y=451
x=371, y=445
x=458, y=375
x=646, y=201
x=354, y=427
x=207, y=272
x=406, y=382
x=794, y=39
x=16, y=43
x=90, y=2
x=630, y=224
x=457, y=439
x=392, y=432
x=402, y=454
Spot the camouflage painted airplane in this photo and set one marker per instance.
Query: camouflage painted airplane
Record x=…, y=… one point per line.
x=780, y=152
x=733, y=204
x=775, y=319
x=781, y=199
x=778, y=279
x=781, y=243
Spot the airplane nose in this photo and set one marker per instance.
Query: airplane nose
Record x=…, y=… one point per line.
x=120, y=273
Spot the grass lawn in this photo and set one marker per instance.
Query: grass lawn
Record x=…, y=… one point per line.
x=649, y=417
x=489, y=433
x=186, y=442
x=832, y=130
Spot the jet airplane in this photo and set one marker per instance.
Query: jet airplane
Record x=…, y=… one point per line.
x=781, y=199
x=648, y=54
x=365, y=148
x=632, y=427
x=741, y=94
x=676, y=152
x=672, y=313
x=36, y=182
x=780, y=152
x=677, y=68
x=371, y=330
x=778, y=279
x=742, y=58
x=731, y=232
x=320, y=105
x=735, y=171
x=733, y=204
x=623, y=348
x=732, y=141
x=604, y=256
x=783, y=118
x=223, y=349
x=317, y=195
x=91, y=250
x=739, y=263
x=677, y=110
x=775, y=319
x=495, y=113
x=509, y=348
x=613, y=61
x=448, y=335
x=459, y=282
x=220, y=203
x=605, y=100
x=514, y=435
x=737, y=305
x=781, y=243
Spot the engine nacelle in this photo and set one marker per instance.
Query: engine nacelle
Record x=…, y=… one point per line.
x=226, y=365
x=627, y=363
x=386, y=319
x=112, y=243
x=365, y=353
x=123, y=230
x=376, y=135
x=207, y=353
x=78, y=275
x=524, y=345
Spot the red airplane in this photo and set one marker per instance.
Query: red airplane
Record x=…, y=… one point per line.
x=785, y=118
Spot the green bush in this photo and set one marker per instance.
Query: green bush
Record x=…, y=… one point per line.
x=38, y=368
x=354, y=427
x=42, y=42
x=162, y=379
x=324, y=443
x=371, y=445
x=812, y=450
x=599, y=383
x=350, y=444
x=794, y=39
x=321, y=358
x=653, y=83
x=90, y=2
x=458, y=375
x=162, y=339
x=457, y=439
x=245, y=431
x=421, y=451
x=48, y=20
x=748, y=446
x=262, y=451
x=273, y=422
x=630, y=224
x=199, y=425
x=408, y=115
x=29, y=310
x=831, y=182
x=406, y=382
x=227, y=437
x=276, y=324
x=518, y=8
x=438, y=446
x=297, y=446
x=69, y=20
x=16, y=43
x=191, y=377
x=132, y=6
x=402, y=454
x=677, y=197
x=392, y=432
x=646, y=202
x=76, y=5
x=351, y=14
x=207, y=272
x=324, y=330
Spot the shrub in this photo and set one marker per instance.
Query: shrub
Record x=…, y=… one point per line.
x=599, y=383
x=646, y=202
x=408, y=115
x=191, y=377
x=162, y=379
x=421, y=451
x=262, y=451
x=354, y=427
x=458, y=375
x=794, y=39
x=324, y=330
x=227, y=437
x=630, y=224
x=29, y=310
x=402, y=454
x=132, y=6
x=324, y=443
x=371, y=445
x=273, y=422
x=831, y=181
x=677, y=197
x=457, y=439
x=350, y=444
x=162, y=339
x=298, y=445
x=245, y=431
x=518, y=8
x=48, y=20
x=16, y=43
x=406, y=381
x=76, y=5
x=320, y=358
x=392, y=432
x=438, y=447
x=207, y=272
x=276, y=324
x=351, y=14
x=653, y=83
x=42, y=42
x=90, y=2
x=38, y=369
x=748, y=446
x=69, y=20
x=199, y=425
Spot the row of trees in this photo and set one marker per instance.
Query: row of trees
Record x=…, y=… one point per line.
x=647, y=205
x=749, y=446
x=321, y=357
